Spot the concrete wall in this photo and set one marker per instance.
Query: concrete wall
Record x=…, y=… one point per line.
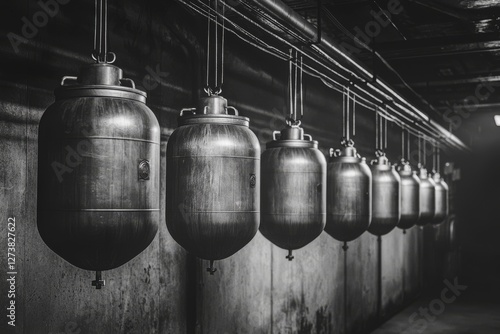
x=164, y=289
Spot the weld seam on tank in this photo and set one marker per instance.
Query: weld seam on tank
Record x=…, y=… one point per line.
x=212, y=156
x=107, y=138
x=101, y=210
x=222, y=211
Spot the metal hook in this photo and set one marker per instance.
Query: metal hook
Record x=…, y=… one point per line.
x=208, y=90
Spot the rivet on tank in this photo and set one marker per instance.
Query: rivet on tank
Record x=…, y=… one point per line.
x=386, y=186
x=293, y=189
x=410, y=190
x=349, y=186
x=98, y=166
x=213, y=176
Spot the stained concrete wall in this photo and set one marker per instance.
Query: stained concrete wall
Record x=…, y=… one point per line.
x=164, y=289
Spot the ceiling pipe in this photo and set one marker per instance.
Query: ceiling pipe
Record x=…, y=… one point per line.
x=327, y=47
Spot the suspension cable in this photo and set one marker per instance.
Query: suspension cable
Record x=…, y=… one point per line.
x=100, y=53
x=416, y=128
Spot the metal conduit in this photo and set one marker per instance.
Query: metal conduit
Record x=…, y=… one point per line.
x=296, y=23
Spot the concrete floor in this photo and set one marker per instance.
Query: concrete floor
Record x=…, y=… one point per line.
x=474, y=311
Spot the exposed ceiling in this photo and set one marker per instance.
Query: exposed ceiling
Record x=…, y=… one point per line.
x=446, y=51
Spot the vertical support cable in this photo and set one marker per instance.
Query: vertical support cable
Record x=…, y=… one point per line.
x=301, y=77
x=354, y=115
x=100, y=53
x=207, y=89
x=223, y=45
x=290, y=84
x=105, y=30
x=425, y=154
x=95, y=52
x=408, y=145
x=348, y=116
x=434, y=157
x=217, y=49
x=216, y=74
x=438, y=159
x=295, y=88
x=419, y=149
x=403, y=142
x=385, y=134
x=343, y=114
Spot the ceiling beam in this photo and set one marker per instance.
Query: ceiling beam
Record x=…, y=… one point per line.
x=463, y=14
x=438, y=47
x=476, y=79
x=492, y=105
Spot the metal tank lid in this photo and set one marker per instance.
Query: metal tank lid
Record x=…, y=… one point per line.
x=292, y=136
x=212, y=109
x=423, y=173
x=436, y=176
x=381, y=162
x=438, y=179
x=347, y=153
x=404, y=168
x=99, y=80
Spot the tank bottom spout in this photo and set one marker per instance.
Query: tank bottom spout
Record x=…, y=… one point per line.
x=99, y=282
x=211, y=268
x=345, y=247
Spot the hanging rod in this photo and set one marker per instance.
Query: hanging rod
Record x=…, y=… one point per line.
x=330, y=82
x=293, y=24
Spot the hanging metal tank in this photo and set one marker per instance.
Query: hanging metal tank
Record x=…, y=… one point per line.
x=427, y=198
x=386, y=199
x=213, y=180
x=293, y=190
x=349, y=194
x=98, y=170
x=441, y=200
x=410, y=196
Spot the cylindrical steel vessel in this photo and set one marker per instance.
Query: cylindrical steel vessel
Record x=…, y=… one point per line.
x=213, y=180
x=349, y=195
x=441, y=200
x=427, y=198
x=410, y=196
x=293, y=190
x=386, y=199
x=98, y=170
